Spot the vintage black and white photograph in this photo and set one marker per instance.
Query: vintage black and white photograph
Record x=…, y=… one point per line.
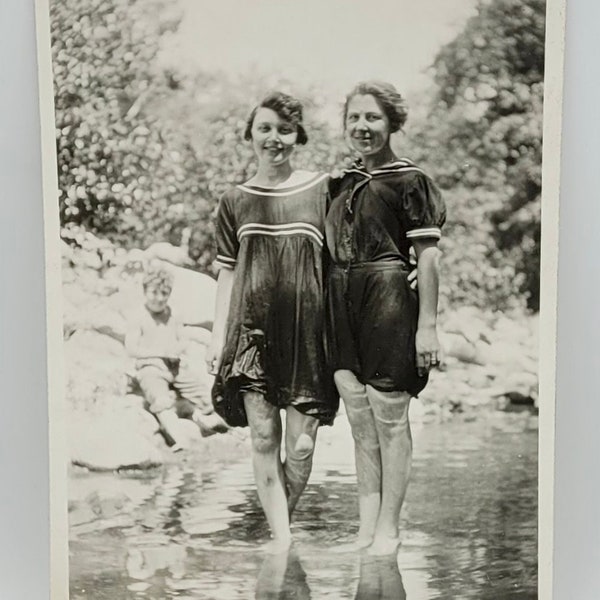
x=298, y=247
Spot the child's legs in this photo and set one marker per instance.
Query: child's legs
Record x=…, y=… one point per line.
x=196, y=394
x=191, y=388
x=393, y=428
x=265, y=433
x=160, y=399
x=366, y=449
x=300, y=435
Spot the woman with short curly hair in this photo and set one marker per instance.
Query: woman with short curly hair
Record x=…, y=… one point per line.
x=383, y=334
x=267, y=348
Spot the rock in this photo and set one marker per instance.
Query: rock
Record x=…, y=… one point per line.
x=186, y=432
x=86, y=260
x=107, y=321
x=467, y=321
x=522, y=383
x=193, y=296
x=457, y=346
x=107, y=441
x=479, y=378
x=512, y=328
x=518, y=399
x=66, y=253
x=477, y=399
x=134, y=261
x=94, y=363
x=500, y=353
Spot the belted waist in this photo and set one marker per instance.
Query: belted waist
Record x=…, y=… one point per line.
x=376, y=265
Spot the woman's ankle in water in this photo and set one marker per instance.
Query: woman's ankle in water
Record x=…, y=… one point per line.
x=278, y=544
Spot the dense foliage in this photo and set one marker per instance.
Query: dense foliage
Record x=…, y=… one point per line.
x=145, y=150
x=483, y=142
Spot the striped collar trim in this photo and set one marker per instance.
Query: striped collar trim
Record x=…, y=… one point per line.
x=402, y=165
x=284, y=229
x=283, y=191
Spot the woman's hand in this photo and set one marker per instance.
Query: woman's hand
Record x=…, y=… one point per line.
x=412, y=279
x=219, y=329
x=213, y=356
x=428, y=349
x=412, y=261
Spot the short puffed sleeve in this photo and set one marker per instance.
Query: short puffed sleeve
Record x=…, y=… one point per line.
x=226, y=234
x=424, y=211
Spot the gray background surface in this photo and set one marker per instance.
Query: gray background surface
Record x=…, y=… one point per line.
x=24, y=533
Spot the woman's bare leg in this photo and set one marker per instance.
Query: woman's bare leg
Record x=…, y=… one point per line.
x=393, y=428
x=300, y=435
x=367, y=455
x=265, y=432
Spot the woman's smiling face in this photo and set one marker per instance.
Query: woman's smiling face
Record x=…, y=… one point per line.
x=367, y=126
x=273, y=138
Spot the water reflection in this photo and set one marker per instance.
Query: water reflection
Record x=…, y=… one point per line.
x=380, y=579
x=468, y=529
x=281, y=577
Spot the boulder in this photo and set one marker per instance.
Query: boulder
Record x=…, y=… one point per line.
x=193, y=296
x=106, y=320
x=95, y=365
x=522, y=383
x=455, y=345
x=469, y=322
x=114, y=436
x=512, y=328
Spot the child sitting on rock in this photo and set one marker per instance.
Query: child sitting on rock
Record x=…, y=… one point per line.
x=155, y=341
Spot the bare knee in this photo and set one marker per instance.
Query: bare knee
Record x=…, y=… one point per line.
x=264, y=441
x=302, y=448
x=346, y=381
x=265, y=427
x=390, y=408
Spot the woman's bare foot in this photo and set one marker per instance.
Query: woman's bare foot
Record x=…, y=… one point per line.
x=383, y=545
x=278, y=545
x=360, y=543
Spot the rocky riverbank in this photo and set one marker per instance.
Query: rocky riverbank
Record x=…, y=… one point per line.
x=490, y=360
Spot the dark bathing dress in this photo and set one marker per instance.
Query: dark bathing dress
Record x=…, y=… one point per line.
x=273, y=238
x=372, y=311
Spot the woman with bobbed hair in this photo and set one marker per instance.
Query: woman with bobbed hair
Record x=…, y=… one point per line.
x=383, y=334
x=267, y=349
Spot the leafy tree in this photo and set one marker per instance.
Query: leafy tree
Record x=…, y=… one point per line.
x=123, y=172
x=483, y=140
x=146, y=149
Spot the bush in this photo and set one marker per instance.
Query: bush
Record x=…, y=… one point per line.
x=483, y=136
x=145, y=150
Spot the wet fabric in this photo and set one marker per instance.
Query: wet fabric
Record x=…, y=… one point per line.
x=273, y=239
x=372, y=311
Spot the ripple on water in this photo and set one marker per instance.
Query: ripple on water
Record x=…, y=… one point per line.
x=469, y=528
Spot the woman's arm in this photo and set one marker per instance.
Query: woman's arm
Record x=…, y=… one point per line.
x=427, y=344
x=224, y=286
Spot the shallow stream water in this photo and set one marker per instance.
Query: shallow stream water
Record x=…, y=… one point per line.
x=469, y=526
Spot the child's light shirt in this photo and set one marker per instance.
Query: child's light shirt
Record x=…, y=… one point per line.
x=154, y=336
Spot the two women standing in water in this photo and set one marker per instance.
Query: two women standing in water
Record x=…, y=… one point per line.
x=313, y=288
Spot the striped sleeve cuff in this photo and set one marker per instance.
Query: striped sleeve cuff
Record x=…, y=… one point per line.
x=424, y=232
x=224, y=262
